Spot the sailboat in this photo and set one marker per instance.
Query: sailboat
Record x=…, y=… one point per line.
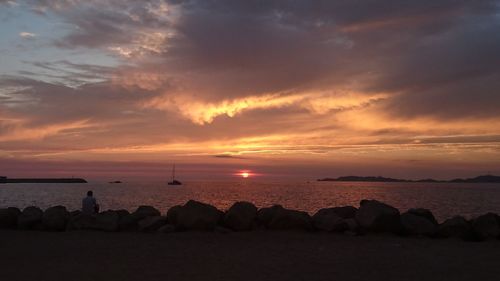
x=174, y=181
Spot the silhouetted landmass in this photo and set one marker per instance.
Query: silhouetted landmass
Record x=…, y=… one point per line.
x=42, y=180
x=479, y=179
x=486, y=178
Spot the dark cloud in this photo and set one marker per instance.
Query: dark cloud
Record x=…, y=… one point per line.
x=223, y=49
x=415, y=49
x=229, y=156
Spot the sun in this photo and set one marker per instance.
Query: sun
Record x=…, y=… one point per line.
x=245, y=174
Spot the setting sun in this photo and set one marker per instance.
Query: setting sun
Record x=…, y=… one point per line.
x=245, y=174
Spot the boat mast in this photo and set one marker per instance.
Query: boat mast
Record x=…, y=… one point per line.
x=173, y=173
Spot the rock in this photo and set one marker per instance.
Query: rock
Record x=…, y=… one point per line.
x=417, y=225
x=345, y=212
x=30, y=218
x=241, y=216
x=455, y=227
x=145, y=211
x=107, y=221
x=168, y=228
x=486, y=227
x=129, y=222
x=329, y=220
x=104, y=221
x=55, y=218
x=195, y=215
x=285, y=219
x=352, y=225
x=81, y=221
x=279, y=218
x=265, y=215
x=172, y=214
x=421, y=212
x=223, y=230
x=150, y=224
x=376, y=216
x=122, y=213
x=8, y=217
x=75, y=213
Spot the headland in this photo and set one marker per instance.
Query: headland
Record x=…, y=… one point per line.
x=478, y=179
x=42, y=180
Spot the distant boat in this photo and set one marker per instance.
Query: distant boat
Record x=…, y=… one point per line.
x=115, y=182
x=174, y=181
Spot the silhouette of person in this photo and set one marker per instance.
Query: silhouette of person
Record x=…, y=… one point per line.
x=89, y=204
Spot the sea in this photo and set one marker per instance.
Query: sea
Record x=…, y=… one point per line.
x=445, y=200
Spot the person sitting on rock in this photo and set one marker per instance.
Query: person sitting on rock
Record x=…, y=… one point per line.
x=89, y=204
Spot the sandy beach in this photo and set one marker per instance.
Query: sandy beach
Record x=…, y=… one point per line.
x=33, y=255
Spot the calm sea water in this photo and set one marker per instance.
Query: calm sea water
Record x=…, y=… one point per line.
x=444, y=199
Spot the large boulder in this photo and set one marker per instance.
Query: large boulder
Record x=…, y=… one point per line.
x=486, y=226
x=74, y=213
x=8, y=217
x=329, y=220
x=172, y=214
x=265, y=215
x=417, y=225
x=145, y=211
x=241, y=216
x=421, y=212
x=104, y=221
x=457, y=226
x=352, y=226
x=122, y=213
x=107, y=221
x=129, y=222
x=150, y=224
x=81, y=221
x=345, y=212
x=195, y=215
x=168, y=228
x=223, y=230
x=30, y=218
x=284, y=219
x=55, y=218
x=376, y=216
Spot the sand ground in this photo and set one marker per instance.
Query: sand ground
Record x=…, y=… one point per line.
x=272, y=256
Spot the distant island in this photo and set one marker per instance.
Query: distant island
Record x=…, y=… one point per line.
x=42, y=180
x=479, y=179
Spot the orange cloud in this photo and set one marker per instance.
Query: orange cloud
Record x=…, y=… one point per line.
x=19, y=131
x=201, y=113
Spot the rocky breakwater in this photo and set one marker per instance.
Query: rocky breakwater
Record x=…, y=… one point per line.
x=371, y=217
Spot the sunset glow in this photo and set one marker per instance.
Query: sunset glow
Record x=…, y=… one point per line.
x=296, y=89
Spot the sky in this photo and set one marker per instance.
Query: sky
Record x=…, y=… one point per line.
x=282, y=89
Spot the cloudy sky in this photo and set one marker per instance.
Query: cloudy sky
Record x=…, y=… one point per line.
x=298, y=88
